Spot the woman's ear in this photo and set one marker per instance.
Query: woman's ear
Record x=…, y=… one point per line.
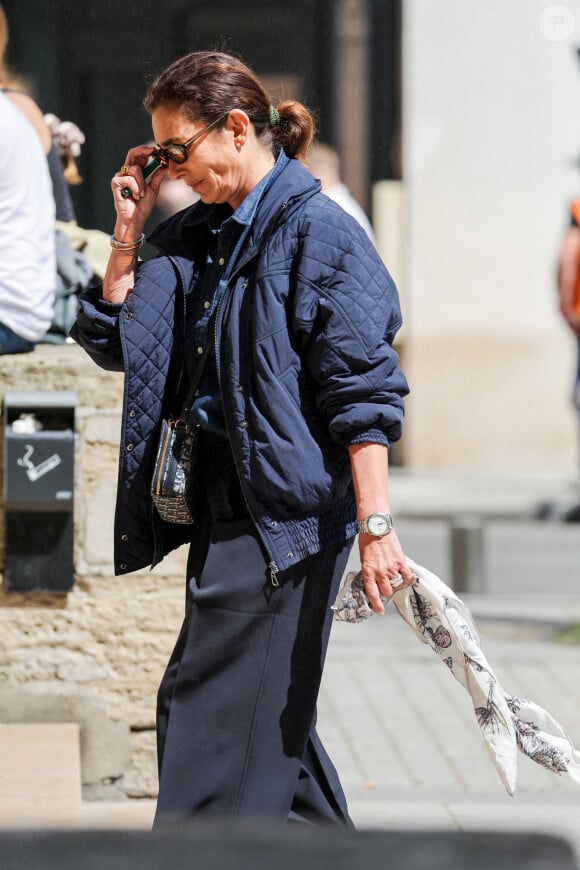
x=239, y=124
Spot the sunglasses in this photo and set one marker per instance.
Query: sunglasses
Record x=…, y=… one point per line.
x=178, y=153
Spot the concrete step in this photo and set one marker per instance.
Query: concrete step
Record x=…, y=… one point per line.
x=40, y=775
x=131, y=815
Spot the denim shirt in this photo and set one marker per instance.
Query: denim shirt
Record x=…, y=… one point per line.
x=226, y=242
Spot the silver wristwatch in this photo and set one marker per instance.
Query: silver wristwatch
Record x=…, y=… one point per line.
x=376, y=524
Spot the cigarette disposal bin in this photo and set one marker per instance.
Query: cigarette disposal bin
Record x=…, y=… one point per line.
x=39, y=445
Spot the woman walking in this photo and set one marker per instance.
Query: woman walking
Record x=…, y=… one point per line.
x=284, y=301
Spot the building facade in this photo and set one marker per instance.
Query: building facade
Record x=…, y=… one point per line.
x=458, y=128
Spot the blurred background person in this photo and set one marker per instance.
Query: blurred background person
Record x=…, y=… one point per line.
x=569, y=294
x=82, y=250
x=72, y=272
x=81, y=254
x=27, y=243
x=324, y=164
x=67, y=140
x=15, y=90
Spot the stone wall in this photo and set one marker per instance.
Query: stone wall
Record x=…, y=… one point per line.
x=96, y=654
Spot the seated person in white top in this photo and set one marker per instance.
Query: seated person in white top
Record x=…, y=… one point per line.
x=324, y=164
x=27, y=255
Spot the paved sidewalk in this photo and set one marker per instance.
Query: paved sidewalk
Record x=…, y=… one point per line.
x=400, y=729
x=403, y=734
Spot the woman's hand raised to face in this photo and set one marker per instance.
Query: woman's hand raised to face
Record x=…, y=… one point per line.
x=133, y=210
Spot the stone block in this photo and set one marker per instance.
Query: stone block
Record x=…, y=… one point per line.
x=105, y=744
x=103, y=427
x=128, y=815
x=40, y=780
x=98, y=530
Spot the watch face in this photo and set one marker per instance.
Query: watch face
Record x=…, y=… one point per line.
x=378, y=525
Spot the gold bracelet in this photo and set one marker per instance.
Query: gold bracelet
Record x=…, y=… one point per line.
x=126, y=246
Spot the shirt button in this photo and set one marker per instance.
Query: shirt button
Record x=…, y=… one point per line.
x=200, y=350
x=221, y=261
x=206, y=305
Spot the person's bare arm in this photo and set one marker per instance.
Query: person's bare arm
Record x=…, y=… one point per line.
x=568, y=276
x=381, y=558
x=29, y=108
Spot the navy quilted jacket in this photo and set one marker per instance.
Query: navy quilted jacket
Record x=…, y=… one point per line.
x=306, y=367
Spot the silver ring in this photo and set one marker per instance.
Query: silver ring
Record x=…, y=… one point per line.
x=396, y=581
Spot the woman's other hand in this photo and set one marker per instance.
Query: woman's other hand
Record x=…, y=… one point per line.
x=382, y=561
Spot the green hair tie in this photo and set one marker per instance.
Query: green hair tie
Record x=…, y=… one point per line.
x=274, y=116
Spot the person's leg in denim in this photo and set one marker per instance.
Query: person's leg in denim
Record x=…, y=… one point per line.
x=11, y=342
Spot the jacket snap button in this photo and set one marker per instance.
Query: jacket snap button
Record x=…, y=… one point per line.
x=290, y=554
x=240, y=389
x=123, y=567
x=274, y=524
x=132, y=413
x=130, y=447
x=129, y=315
x=244, y=424
x=124, y=537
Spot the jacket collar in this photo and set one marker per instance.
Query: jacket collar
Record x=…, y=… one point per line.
x=180, y=234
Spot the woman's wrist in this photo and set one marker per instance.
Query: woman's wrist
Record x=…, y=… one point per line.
x=130, y=256
x=127, y=233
